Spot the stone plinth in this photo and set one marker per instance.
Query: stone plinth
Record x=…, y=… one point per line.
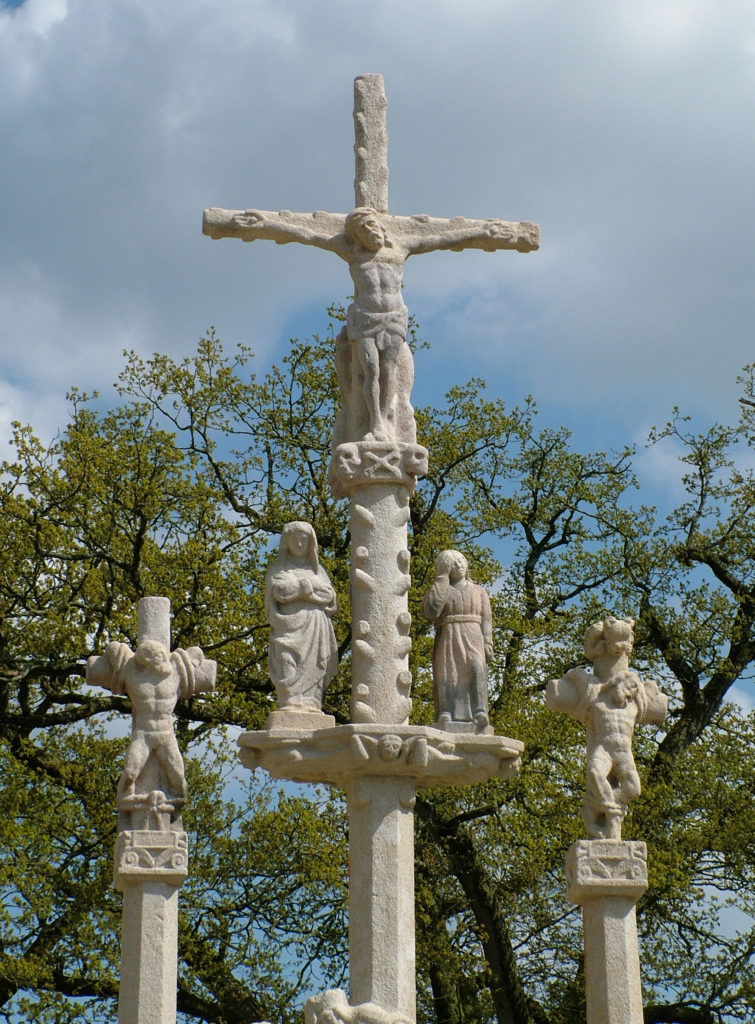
x=607, y=877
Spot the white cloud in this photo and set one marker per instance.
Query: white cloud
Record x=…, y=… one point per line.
x=624, y=129
x=743, y=699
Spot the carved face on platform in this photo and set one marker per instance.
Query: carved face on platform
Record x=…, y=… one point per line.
x=363, y=226
x=389, y=747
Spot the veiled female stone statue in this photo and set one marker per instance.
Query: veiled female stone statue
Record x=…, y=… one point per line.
x=299, y=603
x=461, y=612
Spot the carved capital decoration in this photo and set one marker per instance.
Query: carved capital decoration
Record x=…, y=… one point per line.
x=606, y=867
x=150, y=856
x=375, y=462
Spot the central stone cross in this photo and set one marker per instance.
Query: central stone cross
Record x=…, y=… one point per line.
x=374, y=364
x=377, y=758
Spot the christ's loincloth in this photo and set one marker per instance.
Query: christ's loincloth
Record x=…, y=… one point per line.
x=362, y=323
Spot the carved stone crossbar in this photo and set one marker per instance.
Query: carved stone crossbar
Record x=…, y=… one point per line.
x=426, y=756
x=606, y=867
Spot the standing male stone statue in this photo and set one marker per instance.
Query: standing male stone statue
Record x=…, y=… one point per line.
x=463, y=645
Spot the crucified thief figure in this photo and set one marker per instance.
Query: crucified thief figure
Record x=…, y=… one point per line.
x=610, y=701
x=154, y=679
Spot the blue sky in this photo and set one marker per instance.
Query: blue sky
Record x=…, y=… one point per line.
x=624, y=130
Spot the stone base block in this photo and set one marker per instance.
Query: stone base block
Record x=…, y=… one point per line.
x=298, y=720
x=470, y=728
x=606, y=867
x=151, y=856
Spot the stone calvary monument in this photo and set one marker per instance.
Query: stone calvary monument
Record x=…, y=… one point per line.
x=378, y=758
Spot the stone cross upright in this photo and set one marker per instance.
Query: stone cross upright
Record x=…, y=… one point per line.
x=378, y=758
x=605, y=874
x=151, y=852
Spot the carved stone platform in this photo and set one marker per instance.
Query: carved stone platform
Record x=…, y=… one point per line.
x=420, y=754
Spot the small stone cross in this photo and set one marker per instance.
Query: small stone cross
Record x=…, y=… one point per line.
x=152, y=786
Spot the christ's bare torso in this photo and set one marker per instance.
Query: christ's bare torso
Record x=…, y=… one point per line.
x=377, y=280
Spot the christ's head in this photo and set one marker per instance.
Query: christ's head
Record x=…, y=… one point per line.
x=363, y=226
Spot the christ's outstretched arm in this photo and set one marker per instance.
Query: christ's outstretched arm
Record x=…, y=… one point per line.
x=425, y=234
x=325, y=230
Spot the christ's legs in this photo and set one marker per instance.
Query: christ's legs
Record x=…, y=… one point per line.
x=369, y=359
x=389, y=348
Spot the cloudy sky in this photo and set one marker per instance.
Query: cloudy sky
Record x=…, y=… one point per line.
x=625, y=129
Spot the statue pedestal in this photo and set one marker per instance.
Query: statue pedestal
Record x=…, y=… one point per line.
x=150, y=867
x=607, y=877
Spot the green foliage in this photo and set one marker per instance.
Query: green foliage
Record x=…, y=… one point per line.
x=181, y=490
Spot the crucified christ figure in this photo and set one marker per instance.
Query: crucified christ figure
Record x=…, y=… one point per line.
x=373, y=360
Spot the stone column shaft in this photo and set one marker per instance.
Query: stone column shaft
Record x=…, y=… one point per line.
x=380, y=618
x=381, y=893
x=149, y=954
x=613, y=992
